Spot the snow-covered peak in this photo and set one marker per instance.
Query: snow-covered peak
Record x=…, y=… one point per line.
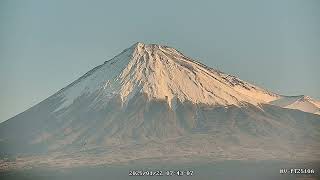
x=303, y=103
x=304, y=98
x=163, y=73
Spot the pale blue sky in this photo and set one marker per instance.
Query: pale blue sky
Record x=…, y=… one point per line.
x=45, y=45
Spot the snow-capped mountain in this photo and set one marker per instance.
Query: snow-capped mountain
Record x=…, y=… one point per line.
x=151, y=99
x=163, y=73
x=303, y=103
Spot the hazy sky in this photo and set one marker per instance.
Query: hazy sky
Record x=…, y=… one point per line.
x=45, y=45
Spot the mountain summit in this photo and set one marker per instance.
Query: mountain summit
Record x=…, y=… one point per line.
x=151, y=101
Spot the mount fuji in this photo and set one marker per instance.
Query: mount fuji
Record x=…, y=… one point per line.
x=153, y=102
